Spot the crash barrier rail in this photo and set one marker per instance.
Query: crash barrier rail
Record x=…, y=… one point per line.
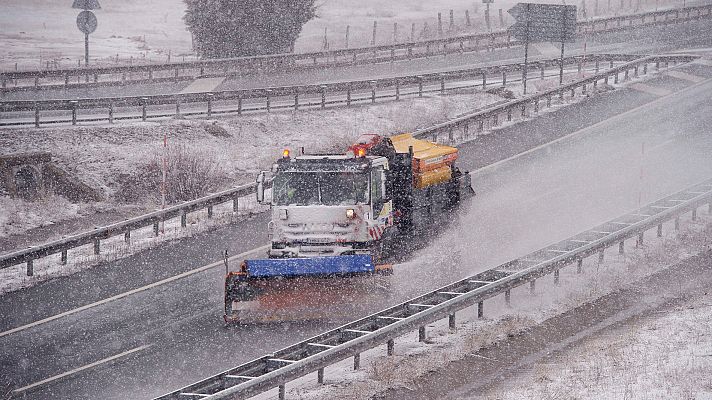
x=470, y=125
x=479, y=119
x=350, y=340
x=125, y=227
x=153, y=73
x=264, y=99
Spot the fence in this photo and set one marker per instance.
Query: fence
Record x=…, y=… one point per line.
x=325, y=349
x=434, y=133
x=141, y=74
x=234, y=101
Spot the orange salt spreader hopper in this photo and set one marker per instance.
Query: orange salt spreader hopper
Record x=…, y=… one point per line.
x=432, y=162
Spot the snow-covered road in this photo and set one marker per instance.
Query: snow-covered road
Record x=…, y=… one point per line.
x=523, y=204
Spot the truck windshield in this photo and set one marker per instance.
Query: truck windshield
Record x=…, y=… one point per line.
x=325, y=188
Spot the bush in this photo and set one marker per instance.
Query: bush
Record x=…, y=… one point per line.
x=189, y=175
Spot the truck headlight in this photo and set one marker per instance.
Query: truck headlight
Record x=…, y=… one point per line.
x=350, y=213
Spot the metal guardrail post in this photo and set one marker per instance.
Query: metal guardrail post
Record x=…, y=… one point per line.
x=481, y=309
x=282, y=391
x=155, y=229
x=348, y=95
x=579, y=265
x=183, y=220
x=504, y=78
x=397, y=89
x=373, y=91
x=532, y=286
x=509, y=115
x=484, y=79
x=144, y=100
x=621, y=247
x=694, y=214
x=442, y=84
x=390, y=347
x=420, y=85
x=542, y=71
x=451, y=321
x=63, y=258
x=421, y=334
x=210, y=104
x=508, y=298
x=296, y=99
x=97, y=246
x=357, y=361
x=30, y=270
x=178, y=107
x=323, y=96
x=210, y=211
x=37, y=116
x=235, y=204
x=111, y=113
x=127, y=237
x=268, y=94
x=73, y=104
x=556, y=277
x=320, y=376
x=239, y=105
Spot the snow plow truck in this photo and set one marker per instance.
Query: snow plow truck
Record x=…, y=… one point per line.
x=334, y=220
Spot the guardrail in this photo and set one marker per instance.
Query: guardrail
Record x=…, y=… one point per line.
x=325, y=349
x=124, y=228
x=137, y=74
x=479, y=119
x=234, y=101
x=524, y=107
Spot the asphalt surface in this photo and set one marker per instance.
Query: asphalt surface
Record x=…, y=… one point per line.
x=642, y=40
x=522, y=204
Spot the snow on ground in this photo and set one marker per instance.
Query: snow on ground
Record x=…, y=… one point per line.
x=668, y=357
x=413, y=359
x=35, y=32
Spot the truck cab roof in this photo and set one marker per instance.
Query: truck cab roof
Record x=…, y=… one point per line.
x=328, y=163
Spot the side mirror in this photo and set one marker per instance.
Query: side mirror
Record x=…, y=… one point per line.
x=261, y=187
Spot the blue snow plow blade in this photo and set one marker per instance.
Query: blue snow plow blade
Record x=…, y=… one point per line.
x=352, y=264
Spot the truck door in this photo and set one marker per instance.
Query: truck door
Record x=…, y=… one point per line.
x=378, y=189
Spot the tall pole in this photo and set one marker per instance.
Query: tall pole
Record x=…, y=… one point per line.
x=563, y=37
x=526, y=54
x=163, y=181
x=86, y=49
x=561, y=64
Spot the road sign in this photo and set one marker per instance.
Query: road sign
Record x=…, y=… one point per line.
x=86, y=5
x=543, y=22
x=86, y=22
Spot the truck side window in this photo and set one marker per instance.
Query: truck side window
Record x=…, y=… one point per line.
x=377, y=190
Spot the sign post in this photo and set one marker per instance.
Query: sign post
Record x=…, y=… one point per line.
x=86, y=21
x=543, y=23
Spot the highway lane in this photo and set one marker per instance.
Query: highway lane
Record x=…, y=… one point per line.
x=522, y=205
x=641, y=40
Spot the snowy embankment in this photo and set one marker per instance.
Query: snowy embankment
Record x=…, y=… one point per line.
x=674, y=349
